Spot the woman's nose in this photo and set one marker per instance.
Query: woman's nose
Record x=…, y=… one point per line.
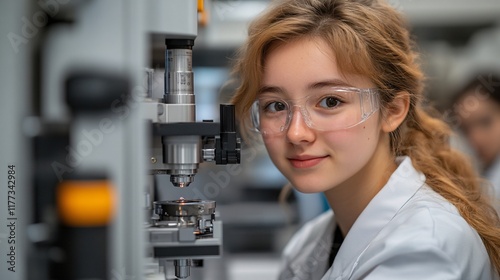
x=298, y=131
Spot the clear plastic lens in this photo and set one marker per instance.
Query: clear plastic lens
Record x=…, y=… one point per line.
x=335, y=109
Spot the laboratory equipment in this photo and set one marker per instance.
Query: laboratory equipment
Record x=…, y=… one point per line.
x=88, y=138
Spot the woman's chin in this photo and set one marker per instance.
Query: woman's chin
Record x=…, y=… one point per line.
x=311, y=187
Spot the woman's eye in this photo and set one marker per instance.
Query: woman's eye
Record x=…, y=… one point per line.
x=275, y=106
x=329, y=102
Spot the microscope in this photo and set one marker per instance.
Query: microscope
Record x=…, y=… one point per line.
x=185, y=230
x=87, y=140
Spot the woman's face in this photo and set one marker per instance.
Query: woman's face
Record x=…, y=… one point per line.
x=312, y=160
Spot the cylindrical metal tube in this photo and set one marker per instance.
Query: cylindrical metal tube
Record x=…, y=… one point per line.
x=182, y=268
x=181, y=154
x=179, y=71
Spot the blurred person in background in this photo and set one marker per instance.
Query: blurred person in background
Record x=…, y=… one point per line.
x=335, y=90
x=477, y=108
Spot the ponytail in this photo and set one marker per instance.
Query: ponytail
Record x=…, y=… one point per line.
x=425, y=140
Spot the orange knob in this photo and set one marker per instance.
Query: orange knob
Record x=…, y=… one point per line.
x=201, y=6
x=86, y=203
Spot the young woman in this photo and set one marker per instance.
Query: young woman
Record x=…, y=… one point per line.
x=335, y=91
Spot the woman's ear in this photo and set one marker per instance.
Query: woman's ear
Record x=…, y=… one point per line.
x=396, y=112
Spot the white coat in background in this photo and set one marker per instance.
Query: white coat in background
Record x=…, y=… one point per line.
x=407, y=232
x=492, y=174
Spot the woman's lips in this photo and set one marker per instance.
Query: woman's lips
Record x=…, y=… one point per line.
x=306, y=162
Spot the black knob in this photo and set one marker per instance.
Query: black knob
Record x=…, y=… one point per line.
x=227, y=118
x=227, y=145
x=96, y=91
x=179, y=43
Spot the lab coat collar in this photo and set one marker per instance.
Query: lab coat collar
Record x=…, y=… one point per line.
x=401, y=186
x=310, y=249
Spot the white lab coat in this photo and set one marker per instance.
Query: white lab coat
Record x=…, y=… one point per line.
x=406, y=232
x=492, y=174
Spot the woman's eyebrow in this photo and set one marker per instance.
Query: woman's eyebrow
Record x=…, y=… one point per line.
x=329, y=83
x=315, y=85
x=270, y=89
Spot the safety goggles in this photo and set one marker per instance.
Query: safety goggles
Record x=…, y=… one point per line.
x=330, y=109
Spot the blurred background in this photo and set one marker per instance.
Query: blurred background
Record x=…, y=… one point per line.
x=456, y=40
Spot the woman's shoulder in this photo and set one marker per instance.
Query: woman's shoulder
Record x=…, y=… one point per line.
x=431, y=216
x=429, y=227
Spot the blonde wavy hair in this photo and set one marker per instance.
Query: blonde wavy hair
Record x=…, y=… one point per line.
x=370, y=38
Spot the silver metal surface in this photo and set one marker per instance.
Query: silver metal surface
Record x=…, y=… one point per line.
x=208, y=154
x=196, y=214
x=178, y=72
x=180, y=60
x=182, y=268
x=180, y=180
x=184, y=207
x=169, y=238
x=179, y=112
x=182, y=155
x=180, y=83
x=180, y=98
x=182, y=149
